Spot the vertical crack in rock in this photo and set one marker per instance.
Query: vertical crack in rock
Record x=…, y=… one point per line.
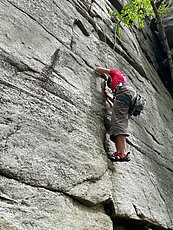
x=55, y=58
x=48, y=69
x=46, y=75
x=109, y=208
x=138, y=212
x=81, y=27
x=49, y=85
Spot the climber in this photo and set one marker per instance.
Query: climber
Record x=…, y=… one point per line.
x=119, y=119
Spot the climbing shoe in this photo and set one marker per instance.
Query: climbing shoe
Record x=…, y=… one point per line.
x=119, y=157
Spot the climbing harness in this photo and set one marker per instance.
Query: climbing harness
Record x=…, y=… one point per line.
x=123, y=98
x=118, y=86
x=135, y=106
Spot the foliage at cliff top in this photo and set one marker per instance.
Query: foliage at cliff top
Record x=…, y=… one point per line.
x=136, y=11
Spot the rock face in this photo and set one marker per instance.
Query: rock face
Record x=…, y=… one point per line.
x=168, y=23
x=54, y=172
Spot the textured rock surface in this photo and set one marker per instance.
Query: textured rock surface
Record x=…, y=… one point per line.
x=168, y=23
x=26, y=207
x=53, y=164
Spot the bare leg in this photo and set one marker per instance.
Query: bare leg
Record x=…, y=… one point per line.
x=120, y=143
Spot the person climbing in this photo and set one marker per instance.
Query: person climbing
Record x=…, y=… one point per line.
x=120, y=113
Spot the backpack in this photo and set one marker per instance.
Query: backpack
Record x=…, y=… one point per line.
x=137, y=105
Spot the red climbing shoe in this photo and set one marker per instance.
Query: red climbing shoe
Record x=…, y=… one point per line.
x=119, y=157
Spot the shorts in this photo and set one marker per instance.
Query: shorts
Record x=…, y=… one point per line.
x=120, y=117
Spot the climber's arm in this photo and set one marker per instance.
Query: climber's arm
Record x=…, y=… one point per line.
x=102, y=71
x=108, y=97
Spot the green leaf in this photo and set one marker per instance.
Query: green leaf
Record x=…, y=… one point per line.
x=136, y=11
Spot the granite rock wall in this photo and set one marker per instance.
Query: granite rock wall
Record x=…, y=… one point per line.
x=54, y=171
